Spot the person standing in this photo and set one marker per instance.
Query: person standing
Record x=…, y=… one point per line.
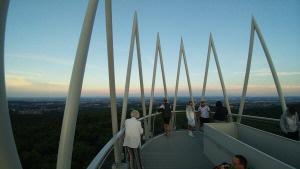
x=289, y=124
x=221, y=113
x=165, y=110
x=132, y=140
x=190, y=115
x=203, y=111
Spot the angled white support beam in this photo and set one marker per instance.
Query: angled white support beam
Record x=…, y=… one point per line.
x=64, y=157
x=157, y=51
x=181, y=54
x=134, y=37
x=9, y=157
x=212, y=45
x=111, y=75
x=254, y=27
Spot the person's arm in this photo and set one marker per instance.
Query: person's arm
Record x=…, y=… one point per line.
x=282, y=121
x=140, y=128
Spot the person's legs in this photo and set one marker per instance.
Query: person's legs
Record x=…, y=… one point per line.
x=201, y=122
x=137, y=158
x=205, y=120
x=129, y=157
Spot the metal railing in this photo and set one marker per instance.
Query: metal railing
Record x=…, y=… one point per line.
x=106, y=150
x=102, y=156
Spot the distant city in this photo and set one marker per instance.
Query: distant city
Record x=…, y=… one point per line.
x=46, y=105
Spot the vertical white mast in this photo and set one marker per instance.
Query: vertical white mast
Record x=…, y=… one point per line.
x=212, y=45
x=111, y=75
x=64, y=157
x=254, y=27
x=134, y=36
x=9, y=157
x=157, y=51
x=181, y=54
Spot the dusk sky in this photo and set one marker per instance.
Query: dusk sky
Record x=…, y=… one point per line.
x=42, y=37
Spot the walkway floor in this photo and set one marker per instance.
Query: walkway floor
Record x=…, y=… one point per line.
x=178, y=152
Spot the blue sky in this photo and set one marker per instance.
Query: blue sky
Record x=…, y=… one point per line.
x=42, y=38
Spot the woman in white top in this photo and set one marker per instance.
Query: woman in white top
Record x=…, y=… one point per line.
x=289, y=124
x=132, y=140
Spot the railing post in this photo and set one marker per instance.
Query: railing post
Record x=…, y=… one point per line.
x=9, y=157
x=64, y=157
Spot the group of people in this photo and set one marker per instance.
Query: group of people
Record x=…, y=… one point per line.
x=203, y=114
x=289, y=124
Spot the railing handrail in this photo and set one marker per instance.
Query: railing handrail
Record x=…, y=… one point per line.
x=101, y=156
x=246, y=116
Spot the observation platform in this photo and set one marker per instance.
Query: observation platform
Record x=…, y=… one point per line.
x=177, y=152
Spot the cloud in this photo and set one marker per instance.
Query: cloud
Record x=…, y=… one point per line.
x=267, y=72
x=24, y=74
x=44, y=58
x=17, y=81
x=25, y=83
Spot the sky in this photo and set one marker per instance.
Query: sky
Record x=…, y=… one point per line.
x=42, y=37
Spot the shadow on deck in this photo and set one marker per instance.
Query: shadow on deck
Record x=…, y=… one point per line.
x=178, y=152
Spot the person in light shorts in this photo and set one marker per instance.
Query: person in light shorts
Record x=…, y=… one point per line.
x=190, y=115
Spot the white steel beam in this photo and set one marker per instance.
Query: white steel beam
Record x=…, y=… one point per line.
x=221, y=78
x=254, y=27
x=111, y=75
x=271, y=65
x=158, y=50
x=181, y=54
x=211, y=45
x=134, y=36
x=64, y=157
x=9, y=157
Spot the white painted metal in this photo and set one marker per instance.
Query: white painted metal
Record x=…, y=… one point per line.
x=181, y=54
x=111, y=71
x=254, y=27
x=134, y=36
x=206, y=69
x=272, y=67
x=158, y=50
x=104, y=152
x=137, y=36
x=212, y=45
x=71, y=110
x=9, y=158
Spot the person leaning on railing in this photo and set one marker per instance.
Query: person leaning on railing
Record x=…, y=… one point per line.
x=289, y=123
x=165, y=110
x=132, y=140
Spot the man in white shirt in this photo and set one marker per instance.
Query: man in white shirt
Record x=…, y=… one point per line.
x=132, y=140
x=203, y=111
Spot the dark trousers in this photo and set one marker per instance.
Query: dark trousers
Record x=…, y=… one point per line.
x=203, y=120
x=293, y=135
x=133, y=158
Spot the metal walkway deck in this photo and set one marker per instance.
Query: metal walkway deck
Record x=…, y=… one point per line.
x=178, y=152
